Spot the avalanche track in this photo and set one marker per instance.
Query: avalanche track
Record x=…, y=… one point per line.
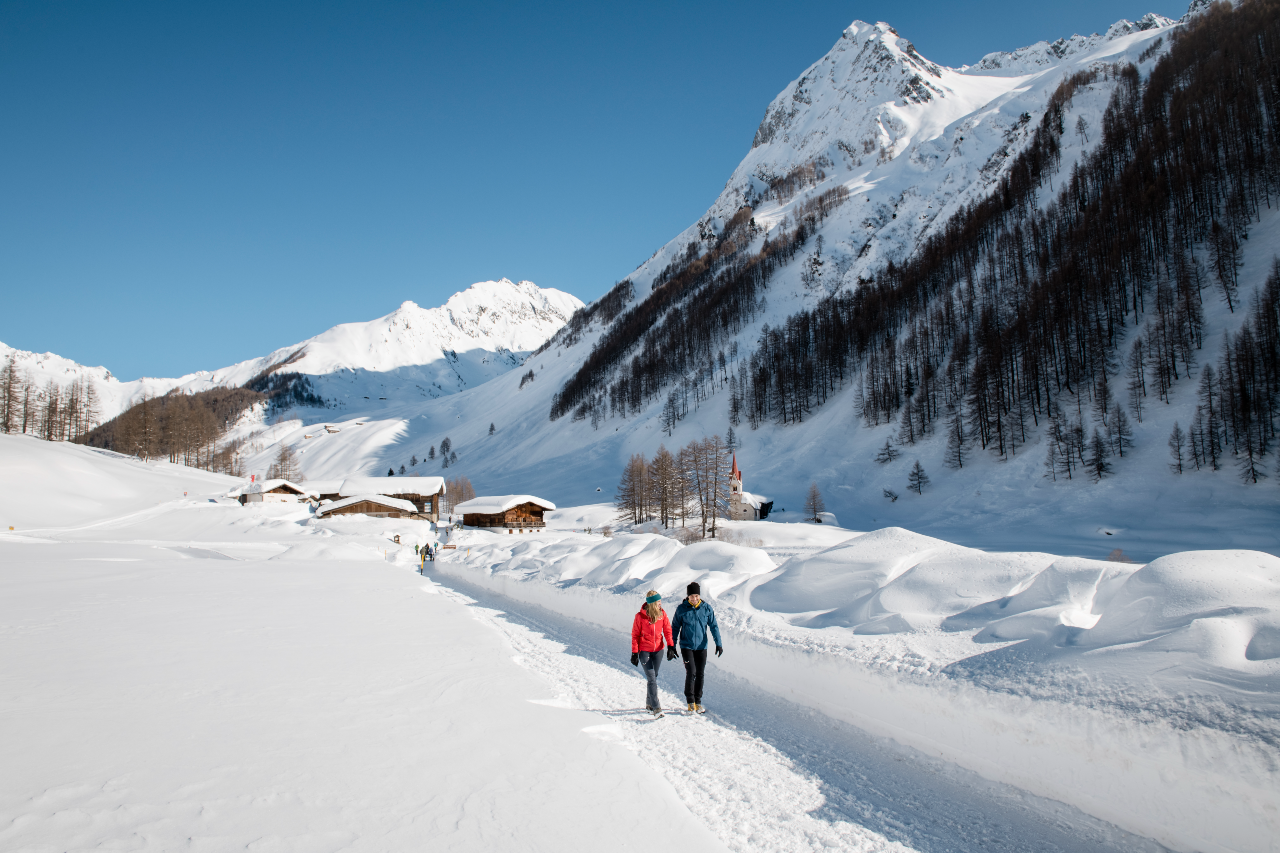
x=765, y=774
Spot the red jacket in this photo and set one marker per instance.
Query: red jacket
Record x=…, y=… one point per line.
x=649, y=636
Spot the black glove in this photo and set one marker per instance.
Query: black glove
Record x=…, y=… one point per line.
x=672, y=654
x=635, y=658
x=719, y=650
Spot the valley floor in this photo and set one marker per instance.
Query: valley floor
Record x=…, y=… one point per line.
x=179, y=671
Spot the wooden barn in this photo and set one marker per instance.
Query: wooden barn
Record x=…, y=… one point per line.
x=275, y=491
x=425, y=493
x=510, y=511
x=378, y=506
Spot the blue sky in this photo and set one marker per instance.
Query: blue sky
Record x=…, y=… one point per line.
x=187, y=185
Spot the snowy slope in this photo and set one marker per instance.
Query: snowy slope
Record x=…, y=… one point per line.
x=114, y=396
x=1143, y=702
x=414, y=352
x=950, y=149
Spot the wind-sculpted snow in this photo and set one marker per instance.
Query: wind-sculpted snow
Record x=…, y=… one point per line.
x=1144, y=696
x=1075, y=673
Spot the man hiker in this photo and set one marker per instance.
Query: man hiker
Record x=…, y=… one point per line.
x=693, y=619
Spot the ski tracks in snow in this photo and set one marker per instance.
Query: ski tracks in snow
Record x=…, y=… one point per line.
x=743, y=789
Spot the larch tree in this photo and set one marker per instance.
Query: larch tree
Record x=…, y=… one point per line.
x=917, y=479
x=1177, y=443
x=813, y=504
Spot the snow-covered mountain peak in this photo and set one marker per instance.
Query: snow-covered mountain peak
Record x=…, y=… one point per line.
x=1044, y=54
x=494, y=321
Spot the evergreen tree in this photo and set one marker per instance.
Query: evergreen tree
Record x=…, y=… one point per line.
x=413, y=460
x=402, y=470
x=492, y=429
x=391, y=472
x=917, y=479
x=431, y=454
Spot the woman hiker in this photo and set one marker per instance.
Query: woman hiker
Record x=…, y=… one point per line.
x=650, y=631
x=694, y=617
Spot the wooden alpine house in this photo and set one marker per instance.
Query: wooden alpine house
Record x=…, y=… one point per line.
x=379, y=506
x=514, y=512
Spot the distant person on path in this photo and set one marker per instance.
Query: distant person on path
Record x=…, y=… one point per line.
x=694, y=617
x=650, y=632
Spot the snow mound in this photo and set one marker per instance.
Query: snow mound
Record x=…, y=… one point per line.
x=1068, y=593
x=1222, y=606
x=716, y=566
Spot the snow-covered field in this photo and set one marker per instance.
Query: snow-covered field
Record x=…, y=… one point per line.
x=181, y=671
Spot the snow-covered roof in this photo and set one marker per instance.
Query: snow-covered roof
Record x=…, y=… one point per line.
x=267, y=485
x=493, y=504
x=391, y=486
x=325, y=487
x=381, y=500
x=753, y=501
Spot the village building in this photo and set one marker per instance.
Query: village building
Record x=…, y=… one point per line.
x=378, y=506
x=744, y=506
x=425, y=493
x=514, y=512
x=275, y=491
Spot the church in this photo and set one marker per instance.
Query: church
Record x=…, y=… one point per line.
x=744, y=506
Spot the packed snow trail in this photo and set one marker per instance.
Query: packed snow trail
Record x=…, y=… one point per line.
x=765, y=774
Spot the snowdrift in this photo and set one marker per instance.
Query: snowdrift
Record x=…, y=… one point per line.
x=1145, y=696
x=52, y=484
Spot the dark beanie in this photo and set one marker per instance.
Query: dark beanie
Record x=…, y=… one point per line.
x=693, y=589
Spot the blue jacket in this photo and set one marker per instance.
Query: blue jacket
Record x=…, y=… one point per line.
x=690, y=625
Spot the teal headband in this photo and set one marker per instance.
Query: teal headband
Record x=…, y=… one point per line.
x=650, y=599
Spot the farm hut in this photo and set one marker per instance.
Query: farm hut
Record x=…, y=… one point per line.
x=275, y=491
x=512, y=511
x=425, y=493
x=379, y=506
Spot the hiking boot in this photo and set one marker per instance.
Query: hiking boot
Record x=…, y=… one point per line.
x=693, y=709
x=698, y=709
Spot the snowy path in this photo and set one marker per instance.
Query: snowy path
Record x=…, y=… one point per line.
x=764, y=774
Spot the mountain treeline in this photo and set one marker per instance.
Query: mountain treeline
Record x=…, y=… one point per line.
x=183, y=428
x=51, y=411
x=1020, y=313
x=1014, y=314
x=697, y=301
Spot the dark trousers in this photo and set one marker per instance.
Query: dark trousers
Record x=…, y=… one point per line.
x=695, y=661
x=649, y=662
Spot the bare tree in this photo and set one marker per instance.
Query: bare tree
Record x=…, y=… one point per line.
x=457, y=490
x=664, y=488
x=286, y=465
x=813, y=504
x=631, y=498
x=1177, y=441
x=888, y=453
